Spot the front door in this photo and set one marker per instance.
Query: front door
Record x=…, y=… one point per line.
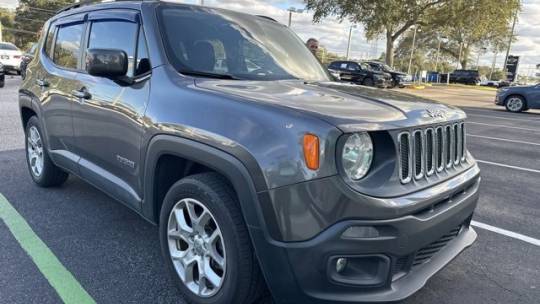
x=108, y=119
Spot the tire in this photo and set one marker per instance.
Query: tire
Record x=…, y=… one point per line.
x=368, y=82
x=241, y=279
x=2, y=84
x=49, y=175
x=515, y=104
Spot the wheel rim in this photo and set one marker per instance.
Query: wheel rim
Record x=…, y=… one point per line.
x=35, y=151
x=514, y=104
x=196, y=247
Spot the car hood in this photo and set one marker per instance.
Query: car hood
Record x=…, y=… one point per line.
x=348, y=107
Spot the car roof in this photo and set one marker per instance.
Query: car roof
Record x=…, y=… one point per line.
x=88, y=6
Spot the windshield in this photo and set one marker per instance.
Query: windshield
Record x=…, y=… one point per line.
x=8, y=46
x=218, y=42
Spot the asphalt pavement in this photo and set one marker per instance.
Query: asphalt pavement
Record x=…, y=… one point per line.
x=114, y=254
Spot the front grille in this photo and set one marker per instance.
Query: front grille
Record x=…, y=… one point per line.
x=423, y=152
x=425, y=254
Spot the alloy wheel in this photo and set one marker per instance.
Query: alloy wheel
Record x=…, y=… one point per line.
x=34, y=148
x=514, y=104
x=196, y=247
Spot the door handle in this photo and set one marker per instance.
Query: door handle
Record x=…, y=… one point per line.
x=42, y=83
x=81, y=94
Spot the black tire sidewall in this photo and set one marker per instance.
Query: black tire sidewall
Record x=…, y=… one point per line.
x=369, y=82
x=196, y=190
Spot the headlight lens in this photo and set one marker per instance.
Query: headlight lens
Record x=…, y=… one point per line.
x=357, y=155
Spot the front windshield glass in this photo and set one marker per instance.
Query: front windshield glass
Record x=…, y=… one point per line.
x=211, y=42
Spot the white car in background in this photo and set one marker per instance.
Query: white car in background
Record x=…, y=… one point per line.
x=10, y=57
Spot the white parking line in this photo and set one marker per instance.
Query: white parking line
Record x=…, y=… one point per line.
x=508, y=233
x=508, y=166
x=505, y=118
x=502, y=126
x=504, y=139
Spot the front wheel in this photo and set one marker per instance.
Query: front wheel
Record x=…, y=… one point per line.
x=516, y=104
x=206, y=245
x=42, y=170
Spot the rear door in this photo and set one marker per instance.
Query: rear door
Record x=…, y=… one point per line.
x=54, y=79
x=108, y=122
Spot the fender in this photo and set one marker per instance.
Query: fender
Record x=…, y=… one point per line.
x=244, y=181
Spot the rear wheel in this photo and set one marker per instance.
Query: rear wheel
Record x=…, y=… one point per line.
x=206, y=245
x=516, y=104
x=368, y=82
x=42, y=170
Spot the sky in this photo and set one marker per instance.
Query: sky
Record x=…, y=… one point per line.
x=333, y=34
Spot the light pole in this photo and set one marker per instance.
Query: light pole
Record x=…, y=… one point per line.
x=350, y=38
x=412, y=49
x=494, y=61
x=443, y=38
x=291, y=11
x=510, y=43
x=480, y=52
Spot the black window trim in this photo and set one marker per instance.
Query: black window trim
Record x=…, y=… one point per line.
x=57, y=24
x=115, y=15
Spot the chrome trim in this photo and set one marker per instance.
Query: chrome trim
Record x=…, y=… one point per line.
x=457, y=143
x=422, y=153
x=430, y=171
x=409, y=157
x=449, y=142
x=440, y=151
x=463, y=142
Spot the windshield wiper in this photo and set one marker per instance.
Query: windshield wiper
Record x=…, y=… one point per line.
x=209, y=74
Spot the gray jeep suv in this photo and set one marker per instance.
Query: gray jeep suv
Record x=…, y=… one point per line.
x=264, y=176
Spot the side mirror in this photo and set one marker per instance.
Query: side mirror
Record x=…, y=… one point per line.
x=106, y=63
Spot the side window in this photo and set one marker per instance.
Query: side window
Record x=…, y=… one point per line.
x=143, y=60
x=353, y=67
x=49, y=39
x=68, y=45
x=119, y=35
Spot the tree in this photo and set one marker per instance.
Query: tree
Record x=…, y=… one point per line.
x=391, y=18
x=473, y=24
x=6, y=18
x=30, y=17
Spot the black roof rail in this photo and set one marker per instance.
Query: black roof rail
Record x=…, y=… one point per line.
x=90, y=2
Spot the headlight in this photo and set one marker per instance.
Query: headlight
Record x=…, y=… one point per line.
x=357, y=155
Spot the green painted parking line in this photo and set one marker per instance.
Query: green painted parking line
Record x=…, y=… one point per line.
x=67, y=287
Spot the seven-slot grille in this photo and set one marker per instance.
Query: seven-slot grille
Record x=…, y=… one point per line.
x=423, y=152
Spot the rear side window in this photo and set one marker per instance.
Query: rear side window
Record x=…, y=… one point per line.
x=67, y=48
x=49, y=39
x=115, y=35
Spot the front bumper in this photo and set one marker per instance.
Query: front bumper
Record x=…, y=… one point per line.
x=499, y=100
x=393, y=264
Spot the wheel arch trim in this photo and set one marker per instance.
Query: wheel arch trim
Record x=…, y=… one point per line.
x=241, y=178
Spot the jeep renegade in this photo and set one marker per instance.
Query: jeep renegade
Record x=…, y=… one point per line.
x=264, y=176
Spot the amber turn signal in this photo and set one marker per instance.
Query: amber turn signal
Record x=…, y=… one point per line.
x=311, y=151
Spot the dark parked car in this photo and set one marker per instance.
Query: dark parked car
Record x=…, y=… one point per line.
x=26, y=58
x=263, y=175
x=2, y=76
x=519, y=98
x=471, y=77
x=360, y=73
x=398, y=78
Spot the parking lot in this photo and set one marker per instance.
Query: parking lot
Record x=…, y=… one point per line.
x=114, y=254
